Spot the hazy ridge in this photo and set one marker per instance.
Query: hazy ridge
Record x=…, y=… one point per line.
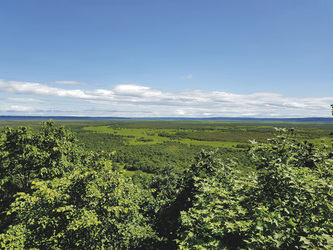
x=304, y=119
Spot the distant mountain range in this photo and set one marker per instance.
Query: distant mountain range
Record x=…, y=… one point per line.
x=305, y=119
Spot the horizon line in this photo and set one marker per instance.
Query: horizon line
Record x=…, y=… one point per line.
x=35, y=117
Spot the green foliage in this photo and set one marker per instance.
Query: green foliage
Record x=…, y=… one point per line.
x=288, y=204
x=78, y=201
x=92, y=141
x=294, y=195
x=166, y=189
x=213, y=217
x=150, y=159
x=88, y=209
x=181, y=194
x=25, y=156
x=55, y=195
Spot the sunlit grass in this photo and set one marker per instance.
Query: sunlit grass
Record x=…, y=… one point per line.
x=150, y=137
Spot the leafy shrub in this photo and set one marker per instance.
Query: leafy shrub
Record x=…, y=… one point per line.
x=288, y=204
x=79, y=203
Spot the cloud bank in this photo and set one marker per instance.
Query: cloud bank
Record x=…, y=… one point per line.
x=68, y=82
x=130, y=100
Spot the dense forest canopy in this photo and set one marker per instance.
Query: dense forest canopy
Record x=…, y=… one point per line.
x=58, y=193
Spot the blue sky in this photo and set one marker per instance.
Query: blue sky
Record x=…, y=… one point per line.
x=154, y=58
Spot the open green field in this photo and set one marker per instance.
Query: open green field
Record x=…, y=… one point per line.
x=189, y=132
x=142, y=136
x=217, y=134
x=149, y=145
x=207, y=133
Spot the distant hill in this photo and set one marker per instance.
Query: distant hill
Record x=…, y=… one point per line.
x=5, y=117
x=305, y=119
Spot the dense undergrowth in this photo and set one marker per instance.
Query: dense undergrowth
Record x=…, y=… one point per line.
x=56, y=195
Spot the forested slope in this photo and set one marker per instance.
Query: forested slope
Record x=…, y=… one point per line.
x=56, y=195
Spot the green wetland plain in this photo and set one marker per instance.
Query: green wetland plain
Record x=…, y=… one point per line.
x=165, y=184
x=147, y=145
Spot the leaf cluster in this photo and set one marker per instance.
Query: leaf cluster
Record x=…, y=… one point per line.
x=54, y=195
x=286, y=204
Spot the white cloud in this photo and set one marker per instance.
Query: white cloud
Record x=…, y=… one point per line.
x=16, y=108
x=180, y=112
x=139, y=101
x=136, y=91
x=40, y=90
x=19, y=99
x=68, y=82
